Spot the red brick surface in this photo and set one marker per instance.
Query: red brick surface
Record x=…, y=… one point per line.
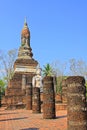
x=26, y=120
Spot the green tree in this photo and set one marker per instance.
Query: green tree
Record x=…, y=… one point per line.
x=2, y=86
x=2, y=89
x=59, y=84
x=47, y=71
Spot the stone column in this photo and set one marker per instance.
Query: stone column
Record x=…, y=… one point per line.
x=29, y=97
x=6, y=91
x=23, y=84
x=0, y=96
x=64, y=91
x=36, y=103
x=48, y=98
x=55, y=83
x=76, y=103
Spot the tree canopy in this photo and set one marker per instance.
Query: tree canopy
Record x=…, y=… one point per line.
x=47, y=71
x=7, y=60
x=2, y=87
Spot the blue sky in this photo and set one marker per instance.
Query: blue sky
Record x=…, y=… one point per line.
x=58, y=28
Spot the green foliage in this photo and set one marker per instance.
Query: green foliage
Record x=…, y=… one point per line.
x=47, y=71
x=59, y=87
x=2, y=87
x=59, y=84
x=50, y=71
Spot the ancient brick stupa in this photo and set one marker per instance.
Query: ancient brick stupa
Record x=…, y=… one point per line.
x=24, y=70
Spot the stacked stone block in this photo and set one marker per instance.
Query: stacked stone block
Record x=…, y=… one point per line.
x=29, y=97
x=48, y=98
x=36, y=103
x=76, y=103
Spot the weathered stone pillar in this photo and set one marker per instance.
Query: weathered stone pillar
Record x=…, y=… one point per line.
x=55, y=83
x=48, y=98
x=0, y=96
x=36, y=103
x=76, y=103
x=23, y=82
x=29, y=97
x=6, y=91
x=64, y=91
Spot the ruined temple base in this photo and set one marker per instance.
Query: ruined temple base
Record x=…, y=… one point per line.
x=16, y=106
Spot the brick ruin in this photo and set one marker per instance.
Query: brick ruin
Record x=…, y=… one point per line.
x=76, y=103
x=48, y=98
x=24, y=70
x=36, y=102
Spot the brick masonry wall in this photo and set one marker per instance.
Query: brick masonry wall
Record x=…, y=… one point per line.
x=48, y=98
x=14, y=93
x=36, y=103
x=76, y=103
x=29, y=97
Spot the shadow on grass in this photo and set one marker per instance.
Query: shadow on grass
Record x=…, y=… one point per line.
x=30, y=129
x=14, y=119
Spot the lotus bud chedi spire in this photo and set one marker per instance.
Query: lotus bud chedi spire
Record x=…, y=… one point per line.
x=25, y=31
x=25, y=51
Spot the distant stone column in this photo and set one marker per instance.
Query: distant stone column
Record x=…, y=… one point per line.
x=55, y=83
x=76, y=103
x=0, y=96
x=29, y=97
x=23, y=84
x=36, y=103
x=48, y=98
x=6, y=91
x=64, y=91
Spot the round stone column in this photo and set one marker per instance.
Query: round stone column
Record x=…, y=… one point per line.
x=29, y=97
x=36, y=103
x=48, y=98
x=76, y=103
